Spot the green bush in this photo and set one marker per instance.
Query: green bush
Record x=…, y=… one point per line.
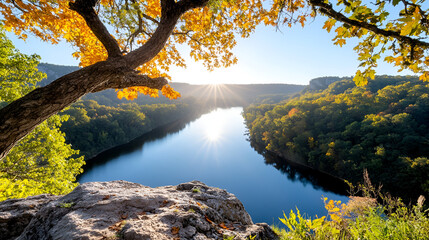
x=361, y=218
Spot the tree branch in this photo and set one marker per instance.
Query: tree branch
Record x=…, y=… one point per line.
x=329, y=11
x=190, y=37
x=140, y=28
x=150, y=18
x=18, y=7
x=133, y=79
x=85, y=8
x=170, y=14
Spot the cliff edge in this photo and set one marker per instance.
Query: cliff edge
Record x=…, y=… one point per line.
x=125, y=210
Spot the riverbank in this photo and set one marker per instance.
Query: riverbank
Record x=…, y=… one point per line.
x=136, y=143
x=292, y=167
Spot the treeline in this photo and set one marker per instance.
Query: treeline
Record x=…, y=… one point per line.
x=93, y=128
x=344, y=129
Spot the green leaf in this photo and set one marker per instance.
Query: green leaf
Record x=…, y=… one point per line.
x=395, y=2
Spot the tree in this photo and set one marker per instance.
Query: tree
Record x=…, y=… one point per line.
x=394, y=29
x=41, y=162
x=108, y=61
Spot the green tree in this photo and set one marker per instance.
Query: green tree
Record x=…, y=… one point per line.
x=42, y=162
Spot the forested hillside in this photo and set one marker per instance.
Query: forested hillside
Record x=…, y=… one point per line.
x=54, y=72
x=93, y=128
x=382, y=127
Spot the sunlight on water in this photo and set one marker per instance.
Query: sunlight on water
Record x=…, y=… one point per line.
x=214, y=126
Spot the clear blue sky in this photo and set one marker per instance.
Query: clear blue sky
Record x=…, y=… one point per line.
x=292, y=56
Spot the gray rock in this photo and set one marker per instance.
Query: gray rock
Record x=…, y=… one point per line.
x=124, y=210
x=16, y=214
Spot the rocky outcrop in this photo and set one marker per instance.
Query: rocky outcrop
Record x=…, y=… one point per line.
x=16, y=214
x=124, y=210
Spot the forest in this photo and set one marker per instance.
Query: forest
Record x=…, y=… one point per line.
x=93, y=128
x=344, y=129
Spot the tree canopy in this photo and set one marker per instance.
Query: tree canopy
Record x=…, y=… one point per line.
x=42, y=162
x=381, y=127
x=130, y=44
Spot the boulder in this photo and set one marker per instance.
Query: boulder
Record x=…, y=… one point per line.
x=125, y=210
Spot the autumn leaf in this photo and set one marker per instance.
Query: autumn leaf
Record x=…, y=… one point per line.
x=424, y=77
x=359, y=79
x=329, y=24
x=175, y=230
x=222, y=225
x=208, y=220
x=340, y=42
x=117, y=226
x=164, y=203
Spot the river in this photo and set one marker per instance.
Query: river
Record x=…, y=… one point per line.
x=214, y=149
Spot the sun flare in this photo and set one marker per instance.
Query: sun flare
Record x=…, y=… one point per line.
x=212, y=134
x=214, y=127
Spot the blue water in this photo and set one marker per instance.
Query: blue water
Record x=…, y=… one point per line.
x=213, y=149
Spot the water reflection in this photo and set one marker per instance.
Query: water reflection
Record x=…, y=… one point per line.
x=297, y=172
x=165, y=131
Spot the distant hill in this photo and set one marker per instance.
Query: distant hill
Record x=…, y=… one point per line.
x=322, y=83
x=380, y=81
x=220, y=95
x=54, y=72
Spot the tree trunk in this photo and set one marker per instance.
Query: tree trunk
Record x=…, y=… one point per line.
x=21, y=116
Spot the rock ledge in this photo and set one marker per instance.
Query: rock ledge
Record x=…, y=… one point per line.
x=125, y=210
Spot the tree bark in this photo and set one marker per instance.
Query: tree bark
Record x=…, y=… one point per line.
x=20, y=117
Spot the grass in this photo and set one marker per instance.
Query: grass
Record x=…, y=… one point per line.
x=361, y=218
